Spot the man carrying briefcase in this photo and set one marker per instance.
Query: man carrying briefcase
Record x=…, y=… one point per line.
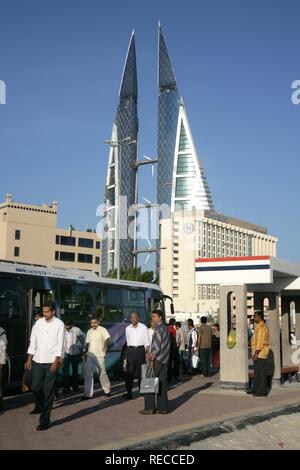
x=159, y=354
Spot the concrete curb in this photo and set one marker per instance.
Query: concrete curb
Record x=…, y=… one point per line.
x=197, y=433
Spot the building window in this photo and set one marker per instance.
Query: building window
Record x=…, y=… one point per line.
x=84, y=258
x=57, y=255
x=66, y=256
x=17, y=234
x=17, y=251
x=86, y=242
x=97, y=245
x=63, y=240
x=97, y=261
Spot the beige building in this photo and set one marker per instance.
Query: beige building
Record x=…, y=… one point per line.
x=189, y=235
x=29, y=234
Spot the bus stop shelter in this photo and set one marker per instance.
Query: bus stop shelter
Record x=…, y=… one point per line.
x=275, y=286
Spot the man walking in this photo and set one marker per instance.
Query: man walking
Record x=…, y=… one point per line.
x=204, y=346
x=73, y=346
x=158, y=360
x=97, y=341
x=44, y=353
x=260, y=345
x=3, y=346
x=137, y=340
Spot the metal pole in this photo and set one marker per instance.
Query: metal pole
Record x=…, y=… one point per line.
x=118, y=214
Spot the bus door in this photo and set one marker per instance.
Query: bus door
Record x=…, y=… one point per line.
x=35, y=302
x=29, y=299
x=13, y=321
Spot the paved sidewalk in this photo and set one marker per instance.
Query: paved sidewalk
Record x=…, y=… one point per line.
x=113, y=423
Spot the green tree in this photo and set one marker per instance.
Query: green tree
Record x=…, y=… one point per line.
x=133, y=274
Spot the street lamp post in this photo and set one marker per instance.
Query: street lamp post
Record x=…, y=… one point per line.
x=118, y=144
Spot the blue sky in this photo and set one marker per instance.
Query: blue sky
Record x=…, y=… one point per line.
x=234, y=62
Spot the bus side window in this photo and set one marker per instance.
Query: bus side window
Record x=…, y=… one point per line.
x=100, y=312
x=114, y=297
x=133, y=300
x=101, y=295
x=76, y=301
x=113, y=314
x=9, y=300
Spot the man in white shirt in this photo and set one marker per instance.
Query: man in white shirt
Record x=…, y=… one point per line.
x=44, y=354
x=192, y=344
x=97, y=341
x=137, y=339
x=73, y=347
x=3, y=346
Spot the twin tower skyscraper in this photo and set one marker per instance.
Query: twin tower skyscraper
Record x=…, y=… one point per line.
x=181, y=181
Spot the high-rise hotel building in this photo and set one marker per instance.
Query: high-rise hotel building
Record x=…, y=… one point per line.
x=194, y=234
x=120, y=184
x=189, y=227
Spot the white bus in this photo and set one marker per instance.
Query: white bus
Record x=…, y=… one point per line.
x=78, y=295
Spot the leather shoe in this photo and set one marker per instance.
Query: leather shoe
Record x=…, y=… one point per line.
x=36, y=411
x=43, y=427
x=86, y=398
x=147, y=412
x=127, y=396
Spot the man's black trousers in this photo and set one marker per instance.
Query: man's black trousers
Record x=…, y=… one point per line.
x=162, y=396
x=260, y=377
x=135, y=358
x=43, y=389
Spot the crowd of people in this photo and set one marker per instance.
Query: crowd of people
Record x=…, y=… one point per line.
x=163, y=351
x=196, y=349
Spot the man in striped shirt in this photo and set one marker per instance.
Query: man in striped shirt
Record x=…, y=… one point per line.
x=159, y=354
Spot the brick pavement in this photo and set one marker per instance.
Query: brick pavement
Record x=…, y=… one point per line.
x=112, y=423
